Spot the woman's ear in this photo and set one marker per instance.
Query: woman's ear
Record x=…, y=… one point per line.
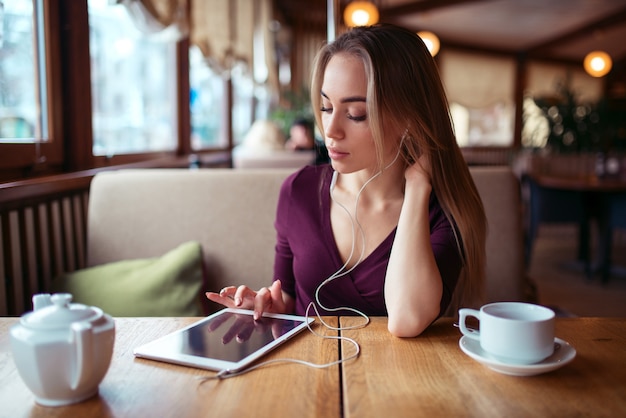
x=405, y=151
x=411, y=149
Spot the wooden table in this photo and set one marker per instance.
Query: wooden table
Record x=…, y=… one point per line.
x=581, y=184
x=143, y=388
x=425, y=376
x=429, y=376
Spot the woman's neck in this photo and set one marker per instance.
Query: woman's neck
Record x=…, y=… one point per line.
x=379, y=186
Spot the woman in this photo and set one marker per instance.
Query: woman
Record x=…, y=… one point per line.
x=395, y=221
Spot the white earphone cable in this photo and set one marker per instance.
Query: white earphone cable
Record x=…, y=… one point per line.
x=224, y=374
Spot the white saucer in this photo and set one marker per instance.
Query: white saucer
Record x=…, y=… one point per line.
x=561, y=356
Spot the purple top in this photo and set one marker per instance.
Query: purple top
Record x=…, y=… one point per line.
x=306, y=252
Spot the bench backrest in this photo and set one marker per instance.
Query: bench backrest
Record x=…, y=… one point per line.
x=145, y=213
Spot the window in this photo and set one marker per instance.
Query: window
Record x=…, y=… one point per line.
x=207, y=92
x=480, y=91
x=133, y=79
x=486, y=126
x=23, y=111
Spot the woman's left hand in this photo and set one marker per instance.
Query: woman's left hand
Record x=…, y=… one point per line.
x=418, y=174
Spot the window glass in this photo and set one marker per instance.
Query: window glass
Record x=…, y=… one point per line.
x=133, y=76
x=23, y=111
x=243, y=103
x=485, y=126
x=207, y=92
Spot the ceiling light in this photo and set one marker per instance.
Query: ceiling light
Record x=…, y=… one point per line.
x=597, y=63
x=431, y=40
x=360, y=13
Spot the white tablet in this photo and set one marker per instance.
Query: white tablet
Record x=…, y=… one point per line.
x=229, y=339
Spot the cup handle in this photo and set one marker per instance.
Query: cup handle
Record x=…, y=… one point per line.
x=470, y=333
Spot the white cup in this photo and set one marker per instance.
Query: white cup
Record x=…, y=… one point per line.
x=512, y=332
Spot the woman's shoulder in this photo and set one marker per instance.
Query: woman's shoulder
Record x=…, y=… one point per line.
x=436, y=213
x=309, y=176
x=302, y=190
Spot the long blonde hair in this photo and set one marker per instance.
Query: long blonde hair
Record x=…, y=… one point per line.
x=404, y=92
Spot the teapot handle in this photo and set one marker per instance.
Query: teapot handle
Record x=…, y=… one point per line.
x=82, y=341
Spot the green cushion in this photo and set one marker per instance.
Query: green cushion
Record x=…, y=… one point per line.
x=169, y=285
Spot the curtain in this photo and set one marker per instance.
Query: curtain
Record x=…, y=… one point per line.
x=229, y=33
x=223, y=30
x=477, y=81
x=237, y=32
x=544, y=80
x=169, y=18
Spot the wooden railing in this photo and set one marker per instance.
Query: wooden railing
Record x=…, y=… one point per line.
x=43, y=235
x=43, y=226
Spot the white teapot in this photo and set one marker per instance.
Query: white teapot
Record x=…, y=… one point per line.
x=62, y=350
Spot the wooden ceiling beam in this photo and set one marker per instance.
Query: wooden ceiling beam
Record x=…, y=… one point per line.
x=392, y=12
x=601, y=24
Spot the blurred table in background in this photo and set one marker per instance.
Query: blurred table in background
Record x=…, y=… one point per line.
x=583, y=199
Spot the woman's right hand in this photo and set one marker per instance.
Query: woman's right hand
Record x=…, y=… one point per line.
x=267, y=299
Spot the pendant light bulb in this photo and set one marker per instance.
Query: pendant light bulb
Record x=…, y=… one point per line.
x=360, y=13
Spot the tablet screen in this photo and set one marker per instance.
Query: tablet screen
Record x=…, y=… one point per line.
x=228, y=339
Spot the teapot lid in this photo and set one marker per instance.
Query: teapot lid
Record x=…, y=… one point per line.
x=61, y=313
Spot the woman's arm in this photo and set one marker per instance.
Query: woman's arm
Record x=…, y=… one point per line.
x=413, y=285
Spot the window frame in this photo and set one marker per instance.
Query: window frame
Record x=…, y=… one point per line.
x=68, y=72
x=20, y=159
